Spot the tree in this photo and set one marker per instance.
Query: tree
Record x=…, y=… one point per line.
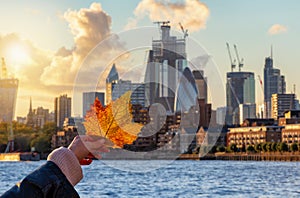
x=41, y=144
x=264, y=147
x=233, y=147
x=274, y=146
x=22, y=143
x=258, y=147
x=283, y=147
x=250, y=149
x=269, y=146
x=294, y=147
x=221, y=149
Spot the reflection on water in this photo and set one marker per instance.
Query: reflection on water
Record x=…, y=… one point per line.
x=178, y=179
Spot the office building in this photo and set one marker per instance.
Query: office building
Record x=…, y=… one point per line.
x=88, y=99
x=221, y=115
x=240, y=89
x=62, y=109
x=274, y=83
x=8, y=94
x=247, y=111
x=201, y=83
x=120, y=87
x=166, y=62
x=281, y=103
x=112, y=77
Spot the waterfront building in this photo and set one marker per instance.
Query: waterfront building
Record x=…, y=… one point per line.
x=240, y=89
x=246, y=136
x=62, y=109
x=213, y=136
x=252, y=122
x=281, y=103
x=291, y=134
x=274, y=83
x=63, y=138
x=290, y=117
x=88, y=99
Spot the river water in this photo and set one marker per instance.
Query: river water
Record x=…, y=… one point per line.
x=177, y=179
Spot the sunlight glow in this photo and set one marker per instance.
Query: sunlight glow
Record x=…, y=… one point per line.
x=17, y=55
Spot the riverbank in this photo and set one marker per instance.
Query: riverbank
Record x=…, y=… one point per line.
x=23, y=156
x=277, y=156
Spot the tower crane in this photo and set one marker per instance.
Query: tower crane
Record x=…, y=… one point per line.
x=185, y=32
x=240, y=62
x=231, y=62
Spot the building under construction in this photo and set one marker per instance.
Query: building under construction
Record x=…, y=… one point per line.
x=166, y=61
x=8, y=96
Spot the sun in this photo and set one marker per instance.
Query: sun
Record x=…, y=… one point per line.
x=18, y=55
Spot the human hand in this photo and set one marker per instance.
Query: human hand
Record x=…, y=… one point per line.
x=82, y=146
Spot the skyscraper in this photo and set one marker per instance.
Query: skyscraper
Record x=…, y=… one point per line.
x=201, y=83
x=8, y=94
x=166, y=62
x=88, y=98
x=240, y=89
x=62, y=109
x=247, y=111
x=112, y=77
x=8, y=98
x=274, y=83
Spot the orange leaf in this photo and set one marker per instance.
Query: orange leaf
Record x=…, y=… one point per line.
x=113, y=121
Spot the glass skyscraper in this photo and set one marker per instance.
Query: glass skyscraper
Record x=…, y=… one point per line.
x=274, y=83
x=166, y=62
x=240, y=89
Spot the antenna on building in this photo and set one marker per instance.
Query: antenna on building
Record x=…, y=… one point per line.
x=272, y=52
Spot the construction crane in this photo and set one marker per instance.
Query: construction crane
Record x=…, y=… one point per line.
x=240, y=62
x=3, y=69
x=185, y=32
x=231, y=62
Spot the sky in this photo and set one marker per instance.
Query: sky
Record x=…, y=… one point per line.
x=45, y=43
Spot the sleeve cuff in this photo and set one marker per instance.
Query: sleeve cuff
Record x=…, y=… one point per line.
x=66, y=160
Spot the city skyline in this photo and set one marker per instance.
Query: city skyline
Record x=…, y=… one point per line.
x=36, y=54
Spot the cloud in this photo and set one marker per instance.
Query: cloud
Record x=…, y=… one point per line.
x=45, y=74
x=89, y=26
x=277, y=29
x=192, y=14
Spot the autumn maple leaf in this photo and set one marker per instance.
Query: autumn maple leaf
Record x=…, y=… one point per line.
x=113, y=122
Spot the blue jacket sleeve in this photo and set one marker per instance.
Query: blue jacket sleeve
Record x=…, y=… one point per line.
x=46, y=181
